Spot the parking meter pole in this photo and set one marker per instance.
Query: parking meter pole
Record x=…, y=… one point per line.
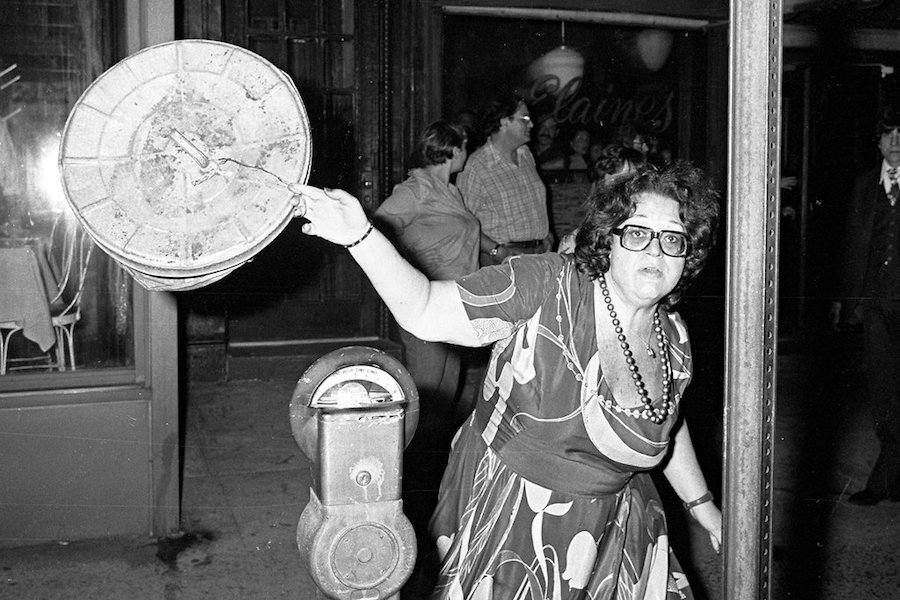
x=352, y=413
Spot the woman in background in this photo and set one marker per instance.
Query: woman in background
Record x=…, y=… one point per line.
x=577, y=161
x=613, y=162
x=426, y=219
x=579, y=144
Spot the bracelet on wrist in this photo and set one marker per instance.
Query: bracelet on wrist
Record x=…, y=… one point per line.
x=706, y=497
x=364, y=236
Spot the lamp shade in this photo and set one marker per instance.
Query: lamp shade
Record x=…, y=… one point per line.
x=561, y=66
x=653, y=47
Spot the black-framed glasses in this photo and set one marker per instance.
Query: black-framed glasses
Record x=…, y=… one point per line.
x=637, y=238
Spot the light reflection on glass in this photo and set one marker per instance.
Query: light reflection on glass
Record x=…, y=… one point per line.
x=39, y=82
x=46, y=174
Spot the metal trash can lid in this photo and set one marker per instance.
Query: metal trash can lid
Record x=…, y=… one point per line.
x=176, y=160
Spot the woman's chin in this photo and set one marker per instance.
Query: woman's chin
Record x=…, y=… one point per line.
x=652, y=292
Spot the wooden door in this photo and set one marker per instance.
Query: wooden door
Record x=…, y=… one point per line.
x=301, y=288
x=839, y=144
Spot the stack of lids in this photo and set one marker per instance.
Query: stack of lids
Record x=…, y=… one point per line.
x=177, y=160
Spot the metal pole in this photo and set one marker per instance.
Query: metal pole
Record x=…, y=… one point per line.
x=804, y=196
x=581, y=16
x=751, y=325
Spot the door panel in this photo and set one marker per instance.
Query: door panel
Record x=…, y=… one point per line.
x=300, y=287
x=841, y=144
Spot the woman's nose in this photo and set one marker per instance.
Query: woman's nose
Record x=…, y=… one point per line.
x=653, y=248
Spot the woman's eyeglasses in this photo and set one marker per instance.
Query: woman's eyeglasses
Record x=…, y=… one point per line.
x=637, y=238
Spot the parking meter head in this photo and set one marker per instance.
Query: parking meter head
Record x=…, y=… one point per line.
x=351, y=378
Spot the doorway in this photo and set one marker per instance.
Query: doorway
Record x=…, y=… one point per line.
x=301, y=294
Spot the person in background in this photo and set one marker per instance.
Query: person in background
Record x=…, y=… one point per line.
x=615, y=161
x=547, y=493
x=426, y=220
x=871, y=293
x=595, y=152
x=549, y=153
x=632, y=136
x=501, y=186
x=660, y=153
x=468, y=121
x=577, y=161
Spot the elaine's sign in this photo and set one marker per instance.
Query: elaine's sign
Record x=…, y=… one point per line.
x=654, y=110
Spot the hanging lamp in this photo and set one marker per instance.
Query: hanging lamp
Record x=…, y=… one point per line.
x=653, y=47
x=558, y=69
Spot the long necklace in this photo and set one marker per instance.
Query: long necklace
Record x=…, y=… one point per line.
x=657, y=415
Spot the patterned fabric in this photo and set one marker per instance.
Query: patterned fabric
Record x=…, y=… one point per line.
x=510, y=201
x=890, y=179
x=541, y=498
x=426, y=218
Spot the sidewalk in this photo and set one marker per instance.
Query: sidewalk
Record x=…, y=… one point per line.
x=246, y=482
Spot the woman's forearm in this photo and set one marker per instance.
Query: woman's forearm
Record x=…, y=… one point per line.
x=430, y=310
x=686, y=478
x=683, y=471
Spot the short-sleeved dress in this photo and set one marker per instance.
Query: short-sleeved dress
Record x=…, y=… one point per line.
x=546, y=494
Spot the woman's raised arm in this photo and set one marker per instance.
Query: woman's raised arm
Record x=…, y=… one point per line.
x=430, y=310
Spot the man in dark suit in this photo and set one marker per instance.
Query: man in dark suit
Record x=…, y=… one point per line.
x=871, y=289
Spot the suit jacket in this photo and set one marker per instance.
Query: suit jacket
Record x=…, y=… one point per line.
x=858, y=237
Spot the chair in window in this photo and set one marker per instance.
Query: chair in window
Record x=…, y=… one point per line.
x=65, y=305
x=7, y=329
x=25, y=307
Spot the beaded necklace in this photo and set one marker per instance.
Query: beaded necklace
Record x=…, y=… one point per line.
x=647, y=411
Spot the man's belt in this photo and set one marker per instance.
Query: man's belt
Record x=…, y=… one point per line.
x=524, y=246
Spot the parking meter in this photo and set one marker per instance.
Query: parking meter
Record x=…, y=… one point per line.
x=352, y=413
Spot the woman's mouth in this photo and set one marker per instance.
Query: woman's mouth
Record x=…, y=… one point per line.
x=651, y=271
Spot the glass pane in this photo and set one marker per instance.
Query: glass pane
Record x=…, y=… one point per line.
x=63, y=302
x=340, y=160
x=303, y=65
x=339, y=58
x=263, y=14
x=338, y=16
x=301, y=16
x=268, y=48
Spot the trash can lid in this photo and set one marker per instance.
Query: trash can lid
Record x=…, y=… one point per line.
x=176, y=160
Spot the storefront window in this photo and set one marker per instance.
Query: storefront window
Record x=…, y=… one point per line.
x=64, y=304
x=600, y=97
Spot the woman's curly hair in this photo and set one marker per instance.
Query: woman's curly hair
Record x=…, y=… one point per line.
x=609, y=207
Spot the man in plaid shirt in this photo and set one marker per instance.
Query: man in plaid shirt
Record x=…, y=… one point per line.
x=501, y=187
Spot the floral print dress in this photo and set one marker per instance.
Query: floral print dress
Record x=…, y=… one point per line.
x=546, y=495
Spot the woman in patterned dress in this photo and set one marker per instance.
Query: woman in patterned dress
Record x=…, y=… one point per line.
x=547, y=493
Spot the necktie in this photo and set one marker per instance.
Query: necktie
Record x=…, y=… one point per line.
x=894, y=194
